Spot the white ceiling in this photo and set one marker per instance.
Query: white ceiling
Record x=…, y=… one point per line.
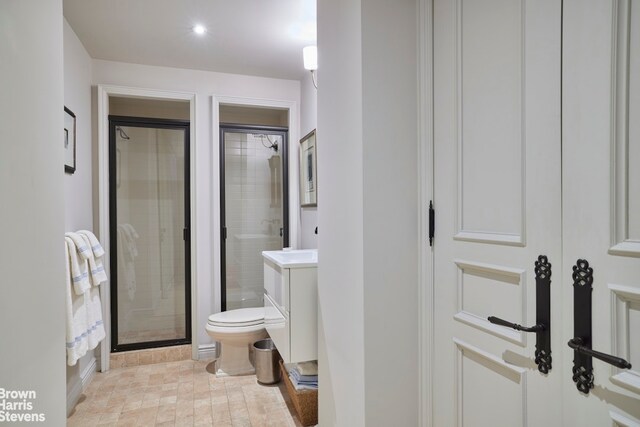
x=254, y=37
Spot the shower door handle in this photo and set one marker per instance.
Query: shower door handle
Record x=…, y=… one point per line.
x=542, y=328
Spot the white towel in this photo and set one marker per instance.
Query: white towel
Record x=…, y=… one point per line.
x=131, y=230
x=96, y=269
x=298, y=382
x=79, y=268
x=85, y=328
x=129, y=237
x=76, y=337
x=95, y=327
x=98, y=251
x=307, y=368
x=82, y=247
x=127, y=253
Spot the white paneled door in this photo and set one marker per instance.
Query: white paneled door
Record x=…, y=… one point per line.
x=601, y=200
x=497, y=197
x=536, y=136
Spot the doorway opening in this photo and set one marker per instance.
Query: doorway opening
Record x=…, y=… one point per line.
x=150, y=257
x=254, y=207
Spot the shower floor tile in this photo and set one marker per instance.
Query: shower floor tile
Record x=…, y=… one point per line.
x=182, y=393
x=128, y=359
x=153, y=335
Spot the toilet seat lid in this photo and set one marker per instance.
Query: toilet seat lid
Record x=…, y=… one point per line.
x=239, y=317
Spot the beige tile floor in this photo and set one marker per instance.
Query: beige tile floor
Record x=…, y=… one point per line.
x=182, y=393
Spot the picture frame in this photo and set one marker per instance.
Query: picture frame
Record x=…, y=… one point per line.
x=308, y=171
x=69, y=141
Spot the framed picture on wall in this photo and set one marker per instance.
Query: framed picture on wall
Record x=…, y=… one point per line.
x=69, y=141
x=308, y=175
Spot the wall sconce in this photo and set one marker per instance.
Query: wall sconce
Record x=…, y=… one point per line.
x=310, y=57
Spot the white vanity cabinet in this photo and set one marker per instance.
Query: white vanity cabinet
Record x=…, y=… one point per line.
x=291, y=303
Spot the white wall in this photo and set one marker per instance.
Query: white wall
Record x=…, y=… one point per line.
x=32, y=301
x=78, y=190
x=341, y=356
x=77, y=97
x=154, y=108
x=368, y=223
x=253, y=116
x=206, y=203
x=308, y=122
x=390, y=212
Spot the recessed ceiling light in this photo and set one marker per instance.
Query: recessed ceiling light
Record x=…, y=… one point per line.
x=199, y=29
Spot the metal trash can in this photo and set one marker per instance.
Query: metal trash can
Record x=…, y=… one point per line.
x=266, y=359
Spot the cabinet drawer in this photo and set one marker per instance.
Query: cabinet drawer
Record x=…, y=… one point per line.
x=277, y=325
x=276, y=285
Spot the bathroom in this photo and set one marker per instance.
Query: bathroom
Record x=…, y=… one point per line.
x=107, y=91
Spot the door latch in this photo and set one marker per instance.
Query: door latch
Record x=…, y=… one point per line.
x=582, y=341
x=432, y=222
x=542, y=328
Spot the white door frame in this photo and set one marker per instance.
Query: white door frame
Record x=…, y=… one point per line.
x=294, y=210
x=425, y=188
x=104, y=92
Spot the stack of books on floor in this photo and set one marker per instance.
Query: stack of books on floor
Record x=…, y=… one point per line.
x=303, y=376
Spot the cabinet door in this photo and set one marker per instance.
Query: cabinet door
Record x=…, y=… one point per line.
x=303, y=314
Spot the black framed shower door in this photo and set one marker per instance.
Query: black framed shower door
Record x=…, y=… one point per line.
x=271, y=235
x=149, y=226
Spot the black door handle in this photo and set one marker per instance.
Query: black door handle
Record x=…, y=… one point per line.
x=501, y=322
x=577, y=344
x=581, y=343
x=542, y=328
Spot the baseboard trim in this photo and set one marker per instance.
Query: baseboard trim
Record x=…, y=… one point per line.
x=88, y=374
x=207, y=351
x=85, y=379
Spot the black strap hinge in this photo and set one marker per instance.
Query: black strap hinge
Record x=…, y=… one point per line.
x=432, y=222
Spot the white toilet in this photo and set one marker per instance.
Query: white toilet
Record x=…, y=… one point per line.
x=236, y=330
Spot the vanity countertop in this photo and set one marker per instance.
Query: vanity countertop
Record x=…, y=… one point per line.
x=297, y=258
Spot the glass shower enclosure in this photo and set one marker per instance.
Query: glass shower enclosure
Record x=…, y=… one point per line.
x=149, y=232
x=253, y=208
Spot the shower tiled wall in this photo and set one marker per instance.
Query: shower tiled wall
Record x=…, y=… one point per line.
x=253, y=198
